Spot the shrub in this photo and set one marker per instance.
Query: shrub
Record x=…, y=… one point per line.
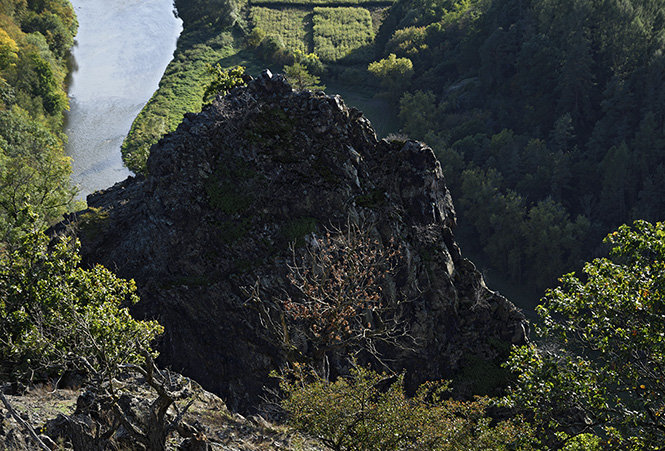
x=603, y=367
x=370, y=411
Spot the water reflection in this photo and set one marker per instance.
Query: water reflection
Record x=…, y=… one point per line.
x=121, y=51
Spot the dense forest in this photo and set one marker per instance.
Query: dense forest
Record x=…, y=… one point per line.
x=35, y=38
x=547, y=117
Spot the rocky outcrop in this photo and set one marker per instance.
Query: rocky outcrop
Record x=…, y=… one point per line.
x=263, y=168
x=84, y=419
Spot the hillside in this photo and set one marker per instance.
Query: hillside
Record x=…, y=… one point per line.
x=547, y=125
x=34, y=43
x=237, y=196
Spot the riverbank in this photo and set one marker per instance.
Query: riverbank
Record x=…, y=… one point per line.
x=120, y=54
x=181, y=88
x=210, y=38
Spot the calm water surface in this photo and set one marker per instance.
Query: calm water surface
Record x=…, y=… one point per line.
x=121, y=51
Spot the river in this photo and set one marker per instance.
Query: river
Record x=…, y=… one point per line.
x=121, y=51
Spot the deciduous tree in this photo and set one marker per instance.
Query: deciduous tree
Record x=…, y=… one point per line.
x=601, y=367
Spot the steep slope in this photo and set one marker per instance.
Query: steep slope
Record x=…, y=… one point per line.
x=262, y=169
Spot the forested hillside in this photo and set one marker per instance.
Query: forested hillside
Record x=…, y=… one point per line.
x=35, y=38
x=548, y=117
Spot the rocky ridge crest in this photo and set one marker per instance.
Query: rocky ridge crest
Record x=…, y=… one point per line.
x=258, y=171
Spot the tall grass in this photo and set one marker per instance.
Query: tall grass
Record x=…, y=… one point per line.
x=180, y=91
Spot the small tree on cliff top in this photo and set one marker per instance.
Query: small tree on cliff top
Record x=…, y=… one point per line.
x=223, y=80
x=299, y=78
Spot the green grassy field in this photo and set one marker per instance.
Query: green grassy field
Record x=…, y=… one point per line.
x=180, y=91
x=343, y=33
x=292, y=25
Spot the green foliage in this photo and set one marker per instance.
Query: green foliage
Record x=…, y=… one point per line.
x=370, y=411
x=255, y=37
x=53, y=313
x=393, y=72
x=273, y=50
x=224, y=80
x=60, y=38
x=300, y=78
x=219, y=13
x=578, y=99
x=343, y=33
x=416, y=111
x=602, y=366
x=47, y=87
x=8, y=50
x=310, y=61
x=33, y=169
x=518, y=237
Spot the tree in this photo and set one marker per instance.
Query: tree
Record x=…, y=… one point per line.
x=8, y=50
x=417, y=113
x=370, y=411
x=393, y=72
x=255, y=37
x=56, y=316
x=601, y=367
x=33, y=169
x=341, y=302
x=223, y=80
x=300, y=78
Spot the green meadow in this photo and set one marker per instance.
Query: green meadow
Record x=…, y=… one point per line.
x=292, y=25
x=343, y=33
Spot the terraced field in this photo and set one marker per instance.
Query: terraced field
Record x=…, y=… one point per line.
x=336, y=30
x=343, y=32
x=292, y=25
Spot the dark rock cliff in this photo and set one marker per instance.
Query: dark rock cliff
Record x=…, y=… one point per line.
x=259, y=169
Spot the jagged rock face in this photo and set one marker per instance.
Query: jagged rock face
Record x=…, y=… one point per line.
x=236, y=184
